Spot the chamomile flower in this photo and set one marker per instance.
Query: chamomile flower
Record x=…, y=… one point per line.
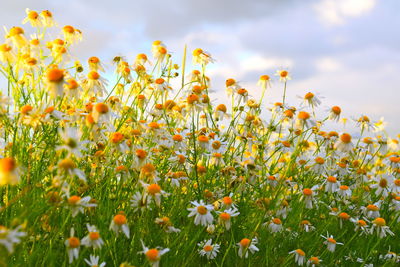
x=313, y=261
x=166, y=224
x=32, y=17
x=93, y=239
x=245, y=245
x=153, y=255
x=228, y=202
x=330, y=242
x=275, y=225
x=364, y=122
x=344, y=191
x=344, y=143
x=201, y=57
x=221, y=112
x=101, y=113
x=10, y=237
x=203, y=141
x=335, y=112
x=78, y=204
x=383, y=185
x=94, y=261
x=161, y=85
x=308, y=197
x=208, y=249
x=141, y=59
x=304, y=120
x=6, y=53
x=67, y=168
x=72, y=243
x=71, y=141
x=311, y=99
x=95, y=64
x=119, y=223
x=153, y=191
x=232, y=86
x=159, y=50
x=264, y=81
x=307, y=226
x=283, y=75
x=117, y=140
x=299, y=256
x=360, y=224
x=16, y=34
x=71, y=34
x=379, y=226
x=371, y=210
x=225, y=217
x=331, y=184
x=94, y=85
x=320, y=164
x=9, y=171
x=55, y=82
x=202, y=213
x=47, y=18
x=139, y=202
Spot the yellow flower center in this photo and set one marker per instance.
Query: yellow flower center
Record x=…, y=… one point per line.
x=55, y=75
x=303, y=115
x=227, y=200
x=120, y=219
x=245, y=242
x=319, y=160
x=331, y=240
x=93, y=75
x=94, y=235
x=68, y=29
x=344, y=187
x=336, y=110
x=207, y=248
x=307, y=191
x=101, y=108
x=159, y=81
x=309, y=96
x=7, y=165
x=67, y=164
x=276, y=221
x=344, y=216
x=202, y=210
x=230, y=82
x=153, y=189
x=152, y=254
x=203, y=139
x=379, y=222
x=345, y=138
x=225, y=216
x=94, y=60
x=331, y=179
x=383, y=183
x=300, y=252
x=141, y=154
x=283, y=73
x=74, y=242
x=73, y=200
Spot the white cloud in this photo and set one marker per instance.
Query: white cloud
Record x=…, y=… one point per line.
x=327, y=64
x=335, y=12
x=260, y=63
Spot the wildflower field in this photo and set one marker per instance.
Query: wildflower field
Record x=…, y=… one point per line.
x=138, y=166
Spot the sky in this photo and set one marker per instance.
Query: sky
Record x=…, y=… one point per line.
x=346, y=51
